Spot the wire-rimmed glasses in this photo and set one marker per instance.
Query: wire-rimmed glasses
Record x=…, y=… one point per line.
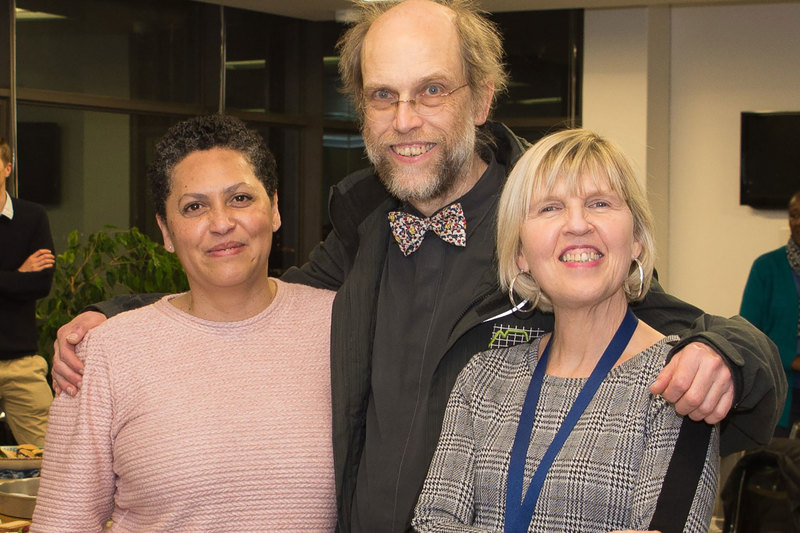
x=383, y=102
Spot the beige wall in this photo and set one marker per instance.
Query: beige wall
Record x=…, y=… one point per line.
x=709, y=65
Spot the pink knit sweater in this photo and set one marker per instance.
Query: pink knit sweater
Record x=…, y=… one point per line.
x=184, y=424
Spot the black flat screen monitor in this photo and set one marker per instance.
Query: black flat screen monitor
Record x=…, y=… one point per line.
x=770, y=159
x=39, y=156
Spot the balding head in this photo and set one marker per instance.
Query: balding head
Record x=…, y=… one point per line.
x=479, y=42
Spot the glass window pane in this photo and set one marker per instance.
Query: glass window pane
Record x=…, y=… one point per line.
x=5, y=56
x=261, y=61
x=150, y=49
x=539, y=48
x=76, y=163
x=336, y=105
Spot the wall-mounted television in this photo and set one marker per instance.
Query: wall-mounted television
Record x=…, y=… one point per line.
x=770, y=159
x=39, y=162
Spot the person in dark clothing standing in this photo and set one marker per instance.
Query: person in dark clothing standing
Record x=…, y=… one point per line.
x=26, y=273
x=411, y=311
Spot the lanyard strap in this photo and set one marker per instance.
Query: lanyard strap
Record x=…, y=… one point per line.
x=519, y=512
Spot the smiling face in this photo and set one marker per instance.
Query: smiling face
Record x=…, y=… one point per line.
x=219, y=221
x=412, y=49
x=578, y=244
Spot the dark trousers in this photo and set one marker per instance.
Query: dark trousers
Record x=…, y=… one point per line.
x=794, y=415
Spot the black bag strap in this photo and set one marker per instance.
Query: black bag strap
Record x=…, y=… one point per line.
x=684, y=471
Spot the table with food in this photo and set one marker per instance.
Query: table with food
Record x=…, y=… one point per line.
x=19, y=482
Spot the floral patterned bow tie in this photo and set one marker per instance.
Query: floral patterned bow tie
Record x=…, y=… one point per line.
x=409, y=230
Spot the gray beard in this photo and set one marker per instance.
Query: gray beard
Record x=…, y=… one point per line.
x=445, y=173
x=444, y=177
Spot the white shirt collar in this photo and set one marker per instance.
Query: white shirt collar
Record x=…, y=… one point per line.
x=8, y=209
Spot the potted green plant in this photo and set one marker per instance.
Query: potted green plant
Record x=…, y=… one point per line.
x=100, y=266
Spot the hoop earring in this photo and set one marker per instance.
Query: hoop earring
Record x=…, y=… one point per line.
x=641, y=278
x=520, y=307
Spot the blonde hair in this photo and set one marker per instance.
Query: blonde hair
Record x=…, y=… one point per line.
x=566, y=157
x=481, y=47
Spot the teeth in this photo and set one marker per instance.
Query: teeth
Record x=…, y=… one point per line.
x=580, y=257
x=223, y=248
x=412, y=150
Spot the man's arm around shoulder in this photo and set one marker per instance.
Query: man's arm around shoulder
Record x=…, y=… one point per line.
x=750, y=357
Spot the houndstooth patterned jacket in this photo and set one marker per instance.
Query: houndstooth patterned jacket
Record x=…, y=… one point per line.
x=607, y=476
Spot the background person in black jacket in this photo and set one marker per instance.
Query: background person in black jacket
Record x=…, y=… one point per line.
x=411, y=311
x=26, y=273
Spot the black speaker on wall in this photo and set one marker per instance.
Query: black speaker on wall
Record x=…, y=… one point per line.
x=770, y=159
x=39, y=162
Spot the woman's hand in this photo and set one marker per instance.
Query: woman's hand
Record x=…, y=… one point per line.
x=67, y=369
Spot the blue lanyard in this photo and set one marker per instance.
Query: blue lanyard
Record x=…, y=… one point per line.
x=519, y=512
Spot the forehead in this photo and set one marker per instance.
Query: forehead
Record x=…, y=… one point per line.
x=215, y=165
x=578, y=183
x=414, y=41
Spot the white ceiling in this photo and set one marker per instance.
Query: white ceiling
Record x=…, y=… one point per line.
x=327, y=9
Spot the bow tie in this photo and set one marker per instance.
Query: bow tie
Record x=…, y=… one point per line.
x=409, y=230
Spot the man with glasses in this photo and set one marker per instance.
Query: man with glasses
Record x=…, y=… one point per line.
x=412, y=259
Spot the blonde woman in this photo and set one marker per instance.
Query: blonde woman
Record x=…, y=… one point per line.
x=563, y=434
